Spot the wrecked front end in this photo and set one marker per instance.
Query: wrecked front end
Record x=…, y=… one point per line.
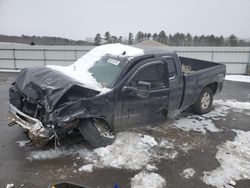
x=48, y=104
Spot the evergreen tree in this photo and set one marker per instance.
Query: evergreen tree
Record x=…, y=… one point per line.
x=98, y=39
x=120, y=39
x=232, y=40
x=130, y=38
x=155, y=37
x=148, y=36
x=108, y=37
x=139, y=36
x=162, y=38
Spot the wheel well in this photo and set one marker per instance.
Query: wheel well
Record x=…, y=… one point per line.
x=213, y=86
x=103, y=119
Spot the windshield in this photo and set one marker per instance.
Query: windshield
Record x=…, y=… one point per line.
x=107, y=69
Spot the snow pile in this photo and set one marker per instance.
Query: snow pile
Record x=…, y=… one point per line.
x=47, y=154
x=188, y=173
x=148, y=180
x=10, y=185
x=87, y=168
x=234, y=157
x=22, y=143
x=238, y=78
x=79, y=70
x=130, y=150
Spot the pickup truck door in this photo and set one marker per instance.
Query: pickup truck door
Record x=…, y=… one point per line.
x=143, y=97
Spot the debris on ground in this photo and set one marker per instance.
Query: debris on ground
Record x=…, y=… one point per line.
x=188, y=173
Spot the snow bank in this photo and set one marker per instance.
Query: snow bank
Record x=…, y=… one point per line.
x=79, y=70
x=238, y=78
x=188, y=173
x=148, y=180
x=234, y=157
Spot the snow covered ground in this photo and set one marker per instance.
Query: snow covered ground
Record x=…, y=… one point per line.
x=141, y=152
x=238, y=78
x=234, y=158
x=204, y=122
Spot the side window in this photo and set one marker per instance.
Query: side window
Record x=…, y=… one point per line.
x=171, y=67
x=154, y=74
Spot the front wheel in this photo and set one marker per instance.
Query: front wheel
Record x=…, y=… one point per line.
x=96, y=132
x=204, y=103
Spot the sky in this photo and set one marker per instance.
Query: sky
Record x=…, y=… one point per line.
x=80, y=19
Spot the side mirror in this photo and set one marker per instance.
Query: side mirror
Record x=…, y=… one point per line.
x=142, y=89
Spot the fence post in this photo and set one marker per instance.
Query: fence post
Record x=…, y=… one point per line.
x=75, y=54
x=249, y=57
x=212, y=56
x=44, y=57
x=248, y=65
x=14, y=57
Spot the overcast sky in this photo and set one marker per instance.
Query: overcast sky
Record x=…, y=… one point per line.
x=78, y=19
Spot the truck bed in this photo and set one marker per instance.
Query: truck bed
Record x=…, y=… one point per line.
x=198, y=74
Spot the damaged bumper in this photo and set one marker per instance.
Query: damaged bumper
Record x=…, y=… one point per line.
x=36, y=131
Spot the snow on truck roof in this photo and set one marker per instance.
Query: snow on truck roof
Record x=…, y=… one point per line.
x=79, y=70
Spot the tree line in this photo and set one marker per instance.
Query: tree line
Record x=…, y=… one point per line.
x=177, y=39
x=45, y=40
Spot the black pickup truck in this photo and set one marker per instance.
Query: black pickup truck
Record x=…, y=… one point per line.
x=142, y=90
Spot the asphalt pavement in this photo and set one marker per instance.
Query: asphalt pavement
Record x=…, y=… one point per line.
x=15, y=167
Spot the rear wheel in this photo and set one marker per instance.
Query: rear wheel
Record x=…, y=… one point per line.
x=204, y=103
x=96, y=132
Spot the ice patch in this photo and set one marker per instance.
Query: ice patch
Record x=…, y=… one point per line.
x=188, y=173
x=148, y=180
x=22, y=143
x=86, y=168
x=234, y=157
x=238, y=78
x=79, y=70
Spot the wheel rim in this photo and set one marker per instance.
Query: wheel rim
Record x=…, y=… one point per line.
x=205, y=101
x=103, y=129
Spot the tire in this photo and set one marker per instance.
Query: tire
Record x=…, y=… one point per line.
x=204, y=103
x=96, y=132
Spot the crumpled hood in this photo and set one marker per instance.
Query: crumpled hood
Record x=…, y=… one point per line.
x=47, y=86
